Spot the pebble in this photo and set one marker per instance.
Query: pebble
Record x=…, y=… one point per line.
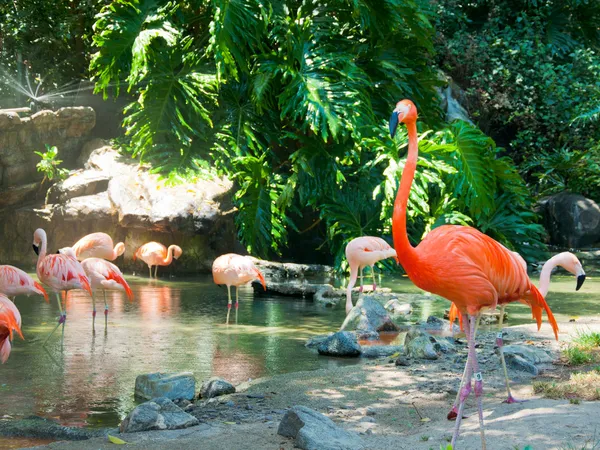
x=249, y=407
x=369, y=431
x=255, y=396
x=229, y=403
x=370, y=411
x=402, y=361
x=347, y=406
x=367, y=419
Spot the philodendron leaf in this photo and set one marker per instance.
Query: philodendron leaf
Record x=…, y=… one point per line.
x=116, y=440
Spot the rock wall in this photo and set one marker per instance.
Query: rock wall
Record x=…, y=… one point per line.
x=114, y=194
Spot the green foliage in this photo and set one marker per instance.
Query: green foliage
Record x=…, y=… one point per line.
x=49, y=165
x=587, y=339
x=290, y=100
x=576, y=355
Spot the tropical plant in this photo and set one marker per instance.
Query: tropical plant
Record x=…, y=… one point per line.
x=49, y=165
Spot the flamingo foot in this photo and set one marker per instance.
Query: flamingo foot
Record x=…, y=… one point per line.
x=453, y=414
x=94, y=314
x=511, y=399
x=62, y=319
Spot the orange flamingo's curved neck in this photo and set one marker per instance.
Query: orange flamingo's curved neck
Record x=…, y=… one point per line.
x=169, y=258
x=406, y=252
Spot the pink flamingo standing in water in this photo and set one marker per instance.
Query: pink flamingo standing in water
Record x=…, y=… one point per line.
x=59, y=272
x=13, y=282
x=156, y=254
x=566, y=260
x=10, y=321
x=98, y=245
x=362, y=252
x=234, y=270
x=461, y=264
x=106, y=276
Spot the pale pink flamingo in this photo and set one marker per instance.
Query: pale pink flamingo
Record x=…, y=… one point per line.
x=156, y=254
x=14, y=281
x=461, y=264
x=362, y=252
x=566, y=260
x=59, y=272
x=98, y=245
x=106, y=276
x=10, y=321
x=234, y=270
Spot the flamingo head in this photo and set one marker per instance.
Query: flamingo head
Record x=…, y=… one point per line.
x=38, y=236
x=120, y=249
x=177, y=251
x=571, y=263
x=68, y=251
x=405, y=111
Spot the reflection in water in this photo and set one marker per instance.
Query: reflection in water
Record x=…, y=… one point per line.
x=180, y=326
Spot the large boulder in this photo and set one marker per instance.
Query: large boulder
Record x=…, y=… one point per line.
x=369, y=315
x=314, y=431
x=280, y=272
x=530, y=353
x=571, y=220
x=342, y=343
x=216, y=387
x=157, y=414
x=169, y=385
x=421, y=345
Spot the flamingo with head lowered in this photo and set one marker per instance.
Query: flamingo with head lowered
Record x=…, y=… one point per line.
x=10, y=321
x=14, y=281
x=156, y=254
x=58, y=272
x=461, y=264
x=362, y=252
x=98, y=245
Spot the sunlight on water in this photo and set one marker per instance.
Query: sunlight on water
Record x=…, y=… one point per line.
x=180, y=326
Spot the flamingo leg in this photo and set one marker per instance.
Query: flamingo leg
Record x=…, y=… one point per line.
x=105, y=309
x=228, y=303
x=501, y=321
x=500, y=344
x=61, y=319
x=454, y=411
x=472, y=370
x=236, y=298
x=360, y=289
x=93, y=311
x=373, y=274
x=156, y=271
x=150, y=270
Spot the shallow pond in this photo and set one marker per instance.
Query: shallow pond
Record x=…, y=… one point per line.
x=180, y=326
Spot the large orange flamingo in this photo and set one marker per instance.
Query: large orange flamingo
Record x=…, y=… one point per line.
x=58, y=272
x=98, y=245
x=566, y=260
x=460, y=264
x=234, y=270
x=362, y=252
x=156, y=254
x=14, y=281
x=10, y=321
x=106, y=276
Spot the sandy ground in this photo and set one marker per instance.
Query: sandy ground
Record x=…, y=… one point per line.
x=399, y=397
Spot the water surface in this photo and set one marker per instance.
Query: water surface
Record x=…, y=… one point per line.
x=180, y=326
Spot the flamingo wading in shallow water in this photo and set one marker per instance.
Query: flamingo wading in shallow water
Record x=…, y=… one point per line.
x=156, y=254
x=14, y=281
x=98, y=245
x=59, y=272
x=106, y=276
x=460, y=264
x=10, y=321
x=566, y=260
x=362, y=252
x=234, y=270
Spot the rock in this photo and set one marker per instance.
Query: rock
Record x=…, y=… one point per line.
x=216, y=387
x=18, y=195
x=40, y=428
x=342, y=343
x=281, y=272
x=370, y=411
x=532, y=354
x=78, y=184
x=368, y=335
x=436, y=324
x=369, y=315
x=402, y=361
x=367, y=419
x=170, y=385
x=315, y=341
x=517, y=362
x=395, y=307
x=313, y=431
x=380, y=351
x=487, y=317
x=420, y=345
x=157, y=414
x=327, y=295
x=571, y=220
x=294, y=288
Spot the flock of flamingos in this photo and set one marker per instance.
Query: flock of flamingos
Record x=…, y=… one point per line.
x=459, y=263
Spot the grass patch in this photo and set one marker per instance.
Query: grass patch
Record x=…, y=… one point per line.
x=577, y=356
x=587, y=339
x=584, y=386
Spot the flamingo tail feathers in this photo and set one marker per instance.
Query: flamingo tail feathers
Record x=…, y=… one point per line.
x=112, y=275
x=537, y=304
x=5, y=348
x=260, y=276
x=453, y=314
x=43, y=291
x=85, y=283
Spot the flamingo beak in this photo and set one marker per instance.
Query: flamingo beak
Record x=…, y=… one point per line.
x=580, y=280
x=397, y=260
x=394, y=123
x=36, y=249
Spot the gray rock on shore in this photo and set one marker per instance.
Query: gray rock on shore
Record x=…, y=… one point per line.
x=157, y=414
x=342, y=343
x=314, y=431
x=525, y=357
x=169, y=385
x=216, y=387
x=369, y=315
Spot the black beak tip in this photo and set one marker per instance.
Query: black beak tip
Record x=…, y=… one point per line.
x=393, y=123
x=580, y=280
x=36, y=249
